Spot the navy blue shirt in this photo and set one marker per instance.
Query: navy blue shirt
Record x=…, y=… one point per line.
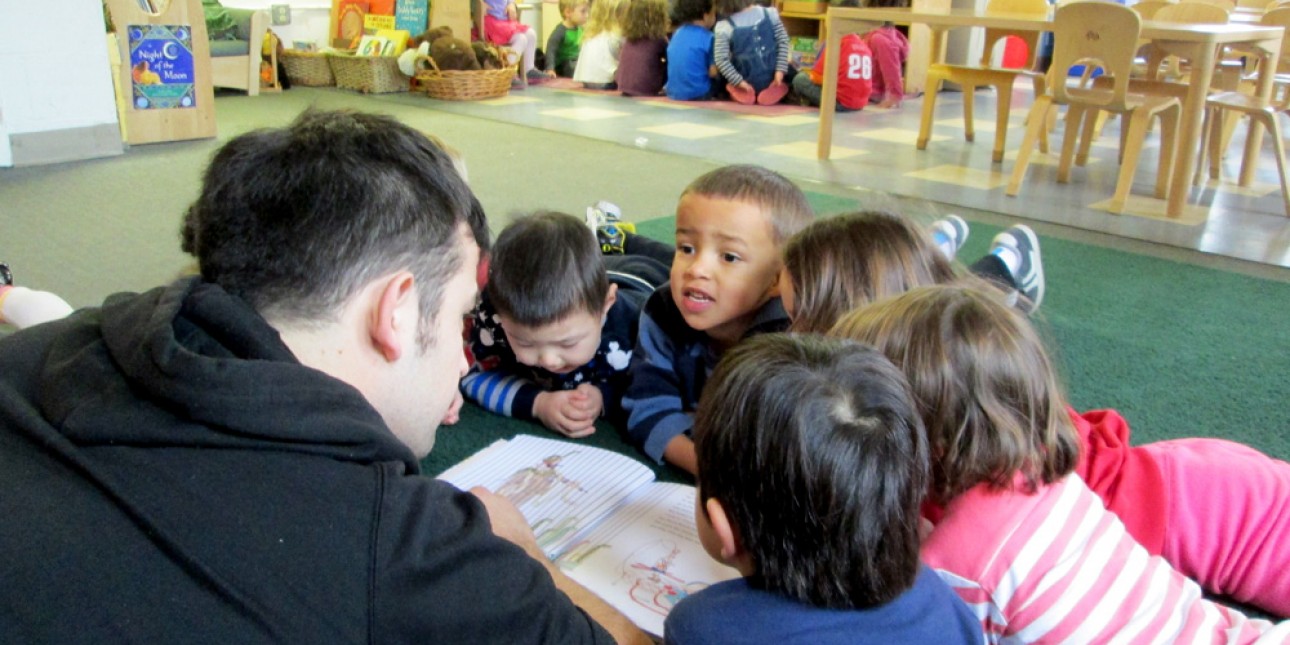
x=734, y=612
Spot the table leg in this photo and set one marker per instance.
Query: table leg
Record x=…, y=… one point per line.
x=1193, y=111
x=828, y=98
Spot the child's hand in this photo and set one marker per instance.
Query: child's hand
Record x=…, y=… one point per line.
x=779, y=78
x=680, y=453
x=512, y=12
x=567, y=412
x=889, y=104
x=593, y=400
x=550, y=73
x=746, y=86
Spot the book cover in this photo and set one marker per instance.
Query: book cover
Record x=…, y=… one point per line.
x=373, y=23
x=349, y=20
x=602, y=518
x=161, y=67
x=412, y=15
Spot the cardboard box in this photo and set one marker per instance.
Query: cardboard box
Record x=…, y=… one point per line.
x=798, y=6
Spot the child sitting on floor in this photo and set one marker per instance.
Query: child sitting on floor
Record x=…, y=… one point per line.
x=750, y=49
x=553, y=334
x=502, y=26
x=1035, y=552
x=23, y=307
x=601, y=45
x=642, y=64
x=855, y=77
x=565, y=43
x=812, y=466
x=730, y=225
x=690, y=66
x=890, y=50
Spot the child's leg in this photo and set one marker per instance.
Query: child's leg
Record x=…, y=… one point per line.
x=525, y=42
x=1228, y=518
x=949, y=234
x=806, y=90
x=1014, y=262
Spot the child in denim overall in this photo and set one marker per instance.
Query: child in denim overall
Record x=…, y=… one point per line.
x=750, y=50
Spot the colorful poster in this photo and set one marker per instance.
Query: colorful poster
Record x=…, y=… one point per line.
x=411, y=15
x=161, y=67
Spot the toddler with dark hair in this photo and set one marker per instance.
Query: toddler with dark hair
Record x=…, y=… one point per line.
x=553, y=335
x=690, y=66
x=812, y=465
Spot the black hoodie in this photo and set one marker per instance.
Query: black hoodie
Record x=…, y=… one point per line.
x=169, y=472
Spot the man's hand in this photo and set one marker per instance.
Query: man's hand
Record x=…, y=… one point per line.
x=572, y=413
x=508, y=523
x=453, y=415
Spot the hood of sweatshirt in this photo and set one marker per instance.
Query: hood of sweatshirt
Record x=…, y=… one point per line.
x=189, y=365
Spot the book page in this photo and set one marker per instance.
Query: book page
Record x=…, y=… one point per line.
x=646, y=556
x=561, y=487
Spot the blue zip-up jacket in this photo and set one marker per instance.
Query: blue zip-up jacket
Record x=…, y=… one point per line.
x=671, y=364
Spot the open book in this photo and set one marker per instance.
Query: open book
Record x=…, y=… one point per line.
x=602, y=518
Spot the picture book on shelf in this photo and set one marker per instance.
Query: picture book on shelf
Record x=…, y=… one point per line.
x=602, y=518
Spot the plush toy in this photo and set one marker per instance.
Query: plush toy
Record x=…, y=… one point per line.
x=453, y=54
x=487, y=55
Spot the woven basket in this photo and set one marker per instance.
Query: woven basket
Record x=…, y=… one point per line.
x=458, y=85
x=307, y=68
x=367, y=74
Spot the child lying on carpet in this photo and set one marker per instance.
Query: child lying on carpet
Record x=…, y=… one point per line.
x=1033, y=551
x=1212, y=508
x=553, y=335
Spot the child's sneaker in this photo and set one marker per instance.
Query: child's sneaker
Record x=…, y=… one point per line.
x=6, y=277
x=1028, y=268
x=741, y=95
x=773, y=94
x=605, y=218
x=949, y=235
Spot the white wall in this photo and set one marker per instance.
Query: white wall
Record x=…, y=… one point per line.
x=310, y=19
x=54, y=72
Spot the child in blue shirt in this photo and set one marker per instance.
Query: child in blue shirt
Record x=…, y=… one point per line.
x=553, y=334
x=724, y=285
x=690, y=67
x=813, y=464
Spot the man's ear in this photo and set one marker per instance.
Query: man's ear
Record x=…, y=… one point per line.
x=611, y=296
x=732, y=550
x=392, y=314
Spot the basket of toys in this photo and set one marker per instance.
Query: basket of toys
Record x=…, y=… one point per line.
x=367, y=74
x=467, y=85
x=307, y=68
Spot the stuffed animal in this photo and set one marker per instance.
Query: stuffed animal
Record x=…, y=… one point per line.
x=487, y=55
x=453, y=54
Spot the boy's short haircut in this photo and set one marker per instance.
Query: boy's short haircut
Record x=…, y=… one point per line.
x=569, y=5
x=687, y=11
x=544, y=267
x=816, y=451
x=780, y=198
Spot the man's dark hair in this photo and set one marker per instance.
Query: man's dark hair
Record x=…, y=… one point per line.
x=544, y=267
x=815, y=449
x=295, y=220
x=686, y=11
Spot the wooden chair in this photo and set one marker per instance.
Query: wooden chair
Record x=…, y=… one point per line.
x=1002, y=79
x=1148, y=8
x=1184, y=13
x=1106, y=35
x=1260, y=111
x=236, y=63
x=1227, y=5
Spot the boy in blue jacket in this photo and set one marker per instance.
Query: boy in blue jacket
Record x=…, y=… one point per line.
x=724, y=285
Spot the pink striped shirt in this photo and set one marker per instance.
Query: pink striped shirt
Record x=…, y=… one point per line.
x=1057, y=567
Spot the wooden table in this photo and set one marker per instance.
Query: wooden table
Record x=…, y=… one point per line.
x=1198, y=43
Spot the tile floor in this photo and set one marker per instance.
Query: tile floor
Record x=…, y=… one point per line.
x=874, y=150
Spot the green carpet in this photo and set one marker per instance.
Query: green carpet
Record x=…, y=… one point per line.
x=1172, y=368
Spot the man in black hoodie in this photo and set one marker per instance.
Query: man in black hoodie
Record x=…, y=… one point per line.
x=234, y=457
